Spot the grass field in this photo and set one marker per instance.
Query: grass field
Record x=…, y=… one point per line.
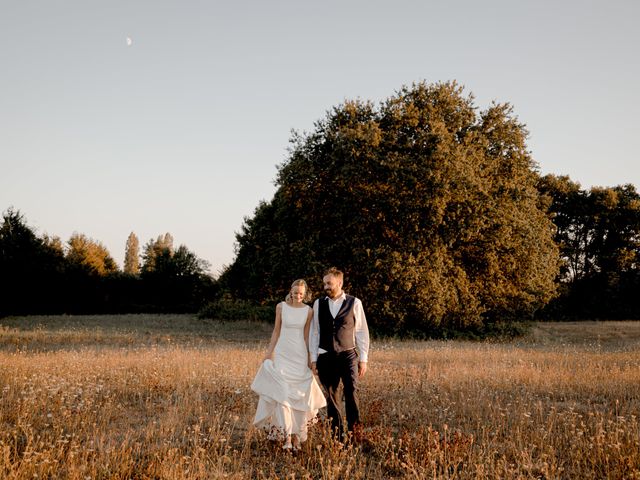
x=148, y=396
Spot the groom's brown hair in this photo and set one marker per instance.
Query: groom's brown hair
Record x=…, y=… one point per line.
x=333, y=271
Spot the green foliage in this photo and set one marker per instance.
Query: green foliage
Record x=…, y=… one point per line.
x=31, y=268
x=178, y=277
x=132, y=255
x=430, y=208
x=161, y=260
x=154, y=249
x=227, y=309
x=90, y=255
x=598, y=232
x=37, y=277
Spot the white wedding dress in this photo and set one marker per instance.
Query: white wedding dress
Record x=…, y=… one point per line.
x=289, y=393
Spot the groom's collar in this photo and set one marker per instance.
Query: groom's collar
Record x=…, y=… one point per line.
x=342, y=296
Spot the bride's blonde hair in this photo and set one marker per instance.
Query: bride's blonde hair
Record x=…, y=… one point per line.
x=299, y=283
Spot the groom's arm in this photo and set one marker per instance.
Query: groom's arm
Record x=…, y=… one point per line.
x=361, y=336
x=314, y=336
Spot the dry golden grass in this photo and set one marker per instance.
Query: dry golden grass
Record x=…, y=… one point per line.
x=168, y=397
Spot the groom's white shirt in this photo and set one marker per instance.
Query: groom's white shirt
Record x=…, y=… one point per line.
x=360, y=332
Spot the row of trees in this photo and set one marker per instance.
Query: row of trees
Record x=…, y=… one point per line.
x=433, y=208
x=598, y=234
x=40, y=274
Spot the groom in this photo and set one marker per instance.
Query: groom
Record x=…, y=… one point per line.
x=339, y=348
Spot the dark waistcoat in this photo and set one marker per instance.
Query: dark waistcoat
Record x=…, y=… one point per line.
x=337, y=335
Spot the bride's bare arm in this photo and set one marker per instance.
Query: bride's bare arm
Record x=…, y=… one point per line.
x=307, y=327
x=276, y=332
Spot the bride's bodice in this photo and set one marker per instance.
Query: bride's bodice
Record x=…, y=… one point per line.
x=291, y=342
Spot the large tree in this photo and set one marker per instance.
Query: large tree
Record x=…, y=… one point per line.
x=31, y=268
x=90, y=255
x=429, y=206
x=178, y=279
x=132, y=255
x=598, y=232
x=154, y=249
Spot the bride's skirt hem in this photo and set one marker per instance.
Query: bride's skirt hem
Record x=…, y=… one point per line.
x=280, y=420
x=286, y=406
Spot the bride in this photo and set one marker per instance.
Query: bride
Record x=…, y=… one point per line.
x=289, y=393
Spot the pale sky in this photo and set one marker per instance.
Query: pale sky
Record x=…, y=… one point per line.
x=171, y=116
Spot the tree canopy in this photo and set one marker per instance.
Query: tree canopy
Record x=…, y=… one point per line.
x=598, y=233
x=30, y=267
x=90, y=255
x=132, y=255
x=154, y=249
x=429, y=206
x=40, y=274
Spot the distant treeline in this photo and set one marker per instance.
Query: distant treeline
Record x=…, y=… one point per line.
x=434, y=209
x=597, y=233
x=41, y=275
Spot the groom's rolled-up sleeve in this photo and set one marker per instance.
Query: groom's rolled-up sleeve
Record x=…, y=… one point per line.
x=361, y=331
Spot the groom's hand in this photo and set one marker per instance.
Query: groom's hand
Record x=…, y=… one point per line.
x=313, y=368
x=362, y=369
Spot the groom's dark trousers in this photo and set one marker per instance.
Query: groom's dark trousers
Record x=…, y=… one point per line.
x=339, y=362
x=333, y=367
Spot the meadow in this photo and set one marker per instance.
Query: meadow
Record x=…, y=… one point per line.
x=167, y=396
